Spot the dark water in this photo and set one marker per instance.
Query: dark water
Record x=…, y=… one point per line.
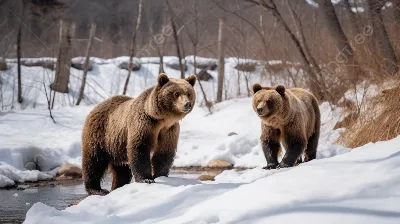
x=15, y=203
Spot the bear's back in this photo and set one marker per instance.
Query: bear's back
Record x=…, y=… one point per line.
x=95, y=125
x=305, y=105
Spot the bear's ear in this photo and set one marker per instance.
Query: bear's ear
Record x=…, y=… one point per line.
x=256, y=87
x=191, y=79
x=162, y=79
x=280, y=89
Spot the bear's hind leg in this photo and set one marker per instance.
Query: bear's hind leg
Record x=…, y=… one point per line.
x=164, y=155
x=312, y=145
x=93, y=168
x=121, y=175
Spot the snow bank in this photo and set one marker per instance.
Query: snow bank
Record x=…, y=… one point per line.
x=361, y=186
x=30, y=140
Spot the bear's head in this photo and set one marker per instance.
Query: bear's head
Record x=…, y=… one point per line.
x=173, y=96
x=268, y=101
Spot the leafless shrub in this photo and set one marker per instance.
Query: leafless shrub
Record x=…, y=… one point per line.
x=379, y=121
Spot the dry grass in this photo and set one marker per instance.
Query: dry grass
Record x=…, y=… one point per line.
x=380, y=121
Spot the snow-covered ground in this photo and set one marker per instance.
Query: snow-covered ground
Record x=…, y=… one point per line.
x=361, y=186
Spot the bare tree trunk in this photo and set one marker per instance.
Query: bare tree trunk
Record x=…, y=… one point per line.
x=346, y=54
x=353, y=23
x=86, y=66
x=115, y=29
x=221, y=60
x=61, y=81
x=176, y=38
x=161, y=68
x=133, y=43
x=382, y=38
x=160, y=52
x=19, y=34
x=207, y=103
x=178, y=50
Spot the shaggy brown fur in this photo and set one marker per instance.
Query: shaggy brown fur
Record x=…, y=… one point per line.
x=291, y=116
x=123, y=132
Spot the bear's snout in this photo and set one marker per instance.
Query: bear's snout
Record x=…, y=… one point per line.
x=188, y=106
x=259, y=111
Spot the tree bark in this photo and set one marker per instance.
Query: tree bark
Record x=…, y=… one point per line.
x=316, y=80
x=345, y=53
x=133, y=44
x=221, y=60
x=176, y=38
x=61, y=81
x=382, y=38
x=86, y=66
x=19, y=34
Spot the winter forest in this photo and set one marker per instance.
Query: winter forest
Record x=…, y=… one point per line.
x=239, y=150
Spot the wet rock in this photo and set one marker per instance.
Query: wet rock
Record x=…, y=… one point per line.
x=205, y=177
x=207, y=65
x=216, y=163
x=232, y=133
x=203, y=75
x=79, y=64
x=49, y=64
x=68, y=171
x=174, y=64
x=135, y=67
x=246, y=67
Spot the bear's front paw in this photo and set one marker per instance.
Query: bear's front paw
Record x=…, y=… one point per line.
x=282, y=165
x=101, y=192
x=270, y=166
x=147, y=181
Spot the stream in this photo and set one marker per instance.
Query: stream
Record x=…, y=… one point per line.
x=16, y=202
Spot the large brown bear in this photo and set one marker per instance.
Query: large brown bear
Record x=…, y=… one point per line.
x=135, y=137
x=291, y=116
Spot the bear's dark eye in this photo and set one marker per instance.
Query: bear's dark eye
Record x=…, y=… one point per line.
x=269, y=103
x=176, y=94
x=189, y=95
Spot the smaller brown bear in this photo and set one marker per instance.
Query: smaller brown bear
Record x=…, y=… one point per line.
x=291, y=116
x=135, y=137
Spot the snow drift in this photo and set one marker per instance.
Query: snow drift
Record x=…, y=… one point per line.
x=361, y=186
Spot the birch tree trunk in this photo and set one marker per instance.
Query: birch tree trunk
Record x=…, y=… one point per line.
x=133, y=44
x=86, y=65
x=61, y=81
x=221, y=60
